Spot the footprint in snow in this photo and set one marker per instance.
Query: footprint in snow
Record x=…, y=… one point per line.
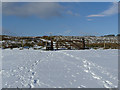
x=30, y=70
x=33, y=73
x=31, y=85
x=31, y=77
x=35, y=81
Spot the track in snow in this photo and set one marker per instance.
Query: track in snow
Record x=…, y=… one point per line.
x=87, y=65
x=57, y=69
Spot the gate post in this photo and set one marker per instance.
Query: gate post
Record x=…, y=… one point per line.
x=83, y=43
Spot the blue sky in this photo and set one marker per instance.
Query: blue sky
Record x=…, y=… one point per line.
x=80, y=18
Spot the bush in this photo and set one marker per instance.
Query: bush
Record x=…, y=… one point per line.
x=28, y=44
x=40, y=44
x=101, y=45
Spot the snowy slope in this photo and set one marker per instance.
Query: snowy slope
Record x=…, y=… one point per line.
x=60, y=69
x=0, y=69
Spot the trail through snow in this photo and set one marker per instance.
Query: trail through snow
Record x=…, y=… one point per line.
x=60, y=69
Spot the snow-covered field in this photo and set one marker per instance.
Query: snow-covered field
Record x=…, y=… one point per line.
x=60, y=69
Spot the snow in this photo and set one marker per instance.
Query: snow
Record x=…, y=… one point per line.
x=0, y=69
x=59, y=69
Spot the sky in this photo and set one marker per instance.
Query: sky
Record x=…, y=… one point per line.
x=59, y=18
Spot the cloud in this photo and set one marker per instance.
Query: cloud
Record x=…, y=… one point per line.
x=73, y=14
x=95, y=15
x=42, y=9
x=113, y=9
